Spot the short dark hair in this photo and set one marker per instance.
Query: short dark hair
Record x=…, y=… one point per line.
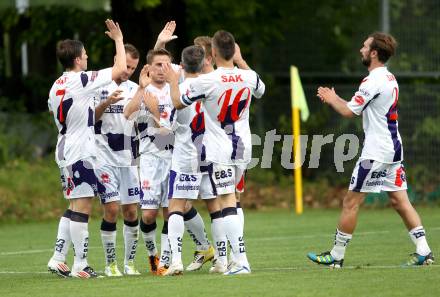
x=384, y=44
x=192, y=58
x=132, y=50
x=157, y=52
x=206, y=43
x=224, y=43
x=67, y=51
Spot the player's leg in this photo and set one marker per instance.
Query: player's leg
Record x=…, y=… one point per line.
x=176, y=229
x=129, y=204
x=148, y=228
x=109, y=195
x=165, y=248
x=57, y=263
x=220, y=263
x=396, y=186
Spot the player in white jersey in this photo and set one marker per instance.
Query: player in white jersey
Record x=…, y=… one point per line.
x=117, y=171
x=226, y=94
x=71, y=101
x=189, y=176
x=380, y=166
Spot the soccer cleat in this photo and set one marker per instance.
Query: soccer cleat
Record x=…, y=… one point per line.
x=200, y=258
x=417, y=260
x=161, y=270
x=218, y=267
x=112, y=270
x=59, y=268
x=154, y=263
x=87, y=272
x=174, y=269
x=326, y=258
x=130, y=269
x=238, y=269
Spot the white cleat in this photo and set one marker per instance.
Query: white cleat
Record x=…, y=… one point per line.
x=130, y=269
x=112, y=270
x=59, y=268
x=218, y=267
x=238, y=269
x=174, y=269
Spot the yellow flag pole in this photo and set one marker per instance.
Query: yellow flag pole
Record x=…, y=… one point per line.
x=296, y=146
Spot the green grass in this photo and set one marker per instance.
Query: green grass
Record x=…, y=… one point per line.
x=277, y=243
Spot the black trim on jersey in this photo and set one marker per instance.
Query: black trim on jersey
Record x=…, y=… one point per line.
x=374, y=97
x=258, y=82
x=84, y=79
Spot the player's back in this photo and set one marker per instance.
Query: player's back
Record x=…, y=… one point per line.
x=226, y=94
x=71, y=101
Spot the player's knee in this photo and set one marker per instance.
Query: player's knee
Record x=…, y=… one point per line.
x=148, y=218
x=351, y=203
x=111, y=212
x=130, y=214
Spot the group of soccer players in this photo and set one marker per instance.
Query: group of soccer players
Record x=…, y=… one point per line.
x=181, y=133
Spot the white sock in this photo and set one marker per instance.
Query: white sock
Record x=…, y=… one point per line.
x=220, y=240
x=79, y=233
x=63, y=240
x=241, y=216
x=341, y=241
x=418, y=236
x=231, y=223
x=108, y=239
x=165, y=250
x=131, y=234
x=196, y=230
x=150, y=242
x=175, y=234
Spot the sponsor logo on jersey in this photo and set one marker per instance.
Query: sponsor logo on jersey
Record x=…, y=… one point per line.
x=379, y=174
x=149, y=202
x=145, y=185
x=105, y=178
x=188, y=177
x=108, y=195
x=223, y=174
x=134, y=191
x=374, y=183
x=359, y=100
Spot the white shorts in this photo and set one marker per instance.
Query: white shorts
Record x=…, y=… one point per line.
x=373, y=177
x=190, y=186
x=154, y=177
x=120, y=184
x=228, y=178
x=79, y=179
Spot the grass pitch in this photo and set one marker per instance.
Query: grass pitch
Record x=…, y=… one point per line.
x=277, y=244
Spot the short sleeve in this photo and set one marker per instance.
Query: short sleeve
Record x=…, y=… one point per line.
x=93, y=80
x=368, y=90
x=194, y=93
x=259, y=87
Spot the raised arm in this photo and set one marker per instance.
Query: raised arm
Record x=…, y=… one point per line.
x=115, y=33
x=238, y=59
x=172, y=78
x=166, y=35
x=330, y=97
x=135, y=103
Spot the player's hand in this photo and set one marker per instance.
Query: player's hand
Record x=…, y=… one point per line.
x=151, y=102
x=237, y=54
x=166, y=35
x=327, y=95
x=114, y=32
x=144, y=77
x=170, y=75
x=115, y=97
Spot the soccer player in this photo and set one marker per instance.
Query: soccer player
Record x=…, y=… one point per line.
x=189, y=175
x=193, y=221
x=380, y=166
x=71, y=100
x=226, y=94
x=118, y=172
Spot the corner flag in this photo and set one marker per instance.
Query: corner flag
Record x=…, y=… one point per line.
x=299, y=103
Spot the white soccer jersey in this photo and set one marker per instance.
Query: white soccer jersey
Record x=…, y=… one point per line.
x=115, y=135
x=189, y=127
x=151, y=141
x=376, y=100
x=226, y=95
x=71, y=100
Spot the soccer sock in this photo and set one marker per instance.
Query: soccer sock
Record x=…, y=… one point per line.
x=149, y=235
x=418, y=236
x=219, y=237
x=176, y=228
x=108, y=237
x=79, y=232
x=165, y=249
x=341, y=241
x=131, y=234
x=231, y=223
x=240, y=213
x=63, y=237
x=196, y=229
